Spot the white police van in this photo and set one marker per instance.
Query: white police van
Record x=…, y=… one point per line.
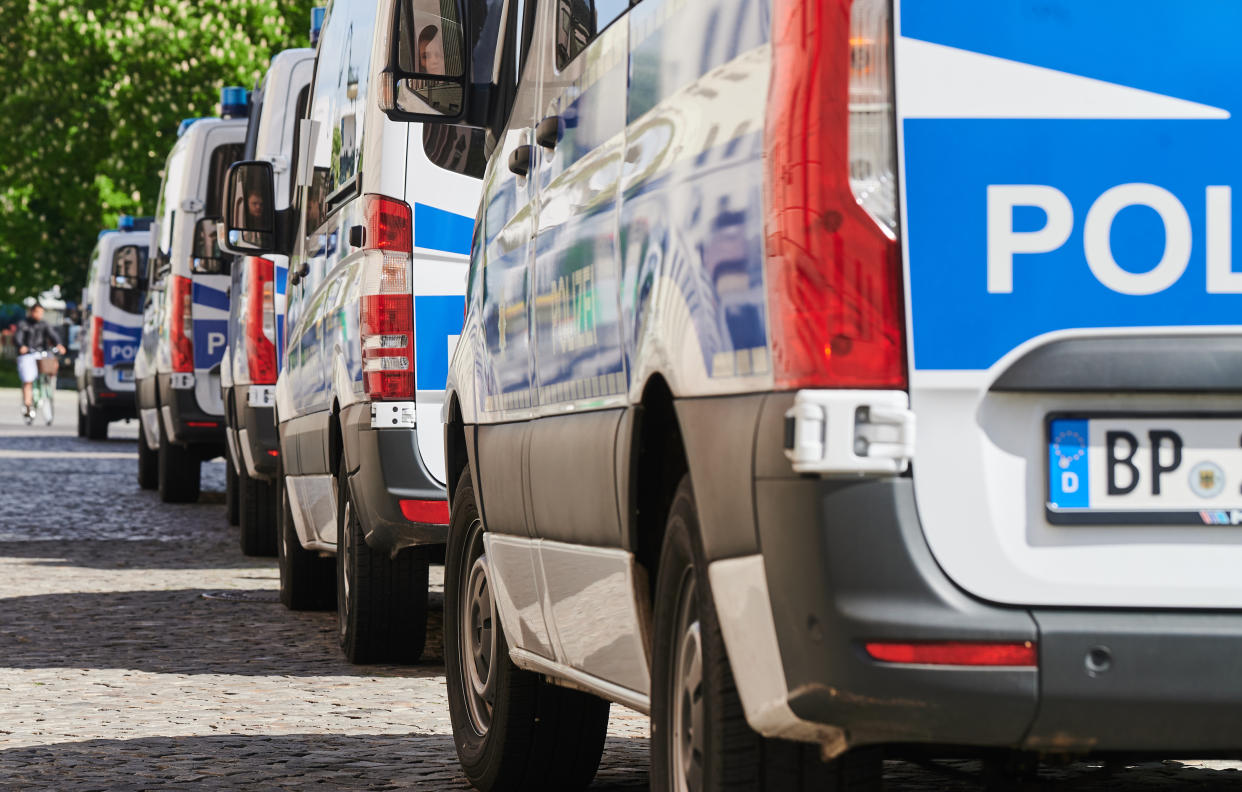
x=379, y=236
x=706, y=309
x=256, y=312
x=186, y=310
x=116, y=281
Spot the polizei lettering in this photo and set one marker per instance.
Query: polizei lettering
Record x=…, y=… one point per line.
x=1004, y=241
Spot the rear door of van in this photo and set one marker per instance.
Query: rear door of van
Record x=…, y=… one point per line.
x=1074, y=310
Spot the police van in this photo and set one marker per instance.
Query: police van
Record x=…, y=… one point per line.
x=379, y=238
x=256, y=310
x=116, y=282
x=185, y=315
x=728, y=256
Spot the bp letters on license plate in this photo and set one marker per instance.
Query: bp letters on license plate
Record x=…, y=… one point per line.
x=1135, y=470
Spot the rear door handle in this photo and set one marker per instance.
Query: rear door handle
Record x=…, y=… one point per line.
x=548, y=133
x=519, y=160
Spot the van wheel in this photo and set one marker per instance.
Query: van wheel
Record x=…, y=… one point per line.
x=307, y=579
x=256, y=510
x=700, y=739
x=148, y=463
x=513, y=729
x=180, y=471
x=81, y=422
x=96, y=424
x=381, y=601
x=232, y=509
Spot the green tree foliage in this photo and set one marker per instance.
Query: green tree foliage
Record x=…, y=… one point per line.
x=91, y=94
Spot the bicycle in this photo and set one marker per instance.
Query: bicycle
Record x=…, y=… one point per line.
x=43, y=389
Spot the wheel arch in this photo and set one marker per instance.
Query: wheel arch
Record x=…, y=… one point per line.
x=456, y=450
x=657, y=461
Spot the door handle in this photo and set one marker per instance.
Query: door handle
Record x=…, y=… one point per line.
x=548, y=133
x=519, y=160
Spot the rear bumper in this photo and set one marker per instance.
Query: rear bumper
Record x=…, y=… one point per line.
x=384, y=467
x=256, y=437
x=115, y=404
x=843, y=562
x=185, y=422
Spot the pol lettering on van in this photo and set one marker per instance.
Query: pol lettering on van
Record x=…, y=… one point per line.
x=1004, y=241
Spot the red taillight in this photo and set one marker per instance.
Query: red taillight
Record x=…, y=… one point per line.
x=964, y=653
x=435, y=512
x=272, y=452
x=260, y=349
x=202, y=424
x=833, y=267
x=386, y=309
x=389, y=224
x=180, y=328
x=97, y=350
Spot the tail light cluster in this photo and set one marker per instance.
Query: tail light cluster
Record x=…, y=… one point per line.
x=386, y=313
x=97, y=348
x=261, y=321
x=833, y=264
x=181, y=328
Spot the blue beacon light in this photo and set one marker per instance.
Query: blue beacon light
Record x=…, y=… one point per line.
x=233, y=102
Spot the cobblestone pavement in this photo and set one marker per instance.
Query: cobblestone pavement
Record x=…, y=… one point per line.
x=140, y=650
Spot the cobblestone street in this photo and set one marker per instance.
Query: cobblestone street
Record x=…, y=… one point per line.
x=140, y=650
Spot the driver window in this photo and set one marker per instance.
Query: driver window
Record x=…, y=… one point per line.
x=578, y=22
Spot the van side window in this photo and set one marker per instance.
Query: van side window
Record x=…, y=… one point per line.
x=455, y=148
x=349, y=74
x=221, y=158
x=578, y=22
x=338, y=103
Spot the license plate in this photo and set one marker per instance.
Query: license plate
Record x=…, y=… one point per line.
x=124, y=375
x=1148, y=469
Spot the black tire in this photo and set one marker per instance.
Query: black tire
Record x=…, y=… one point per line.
x=381, y=601
x=728, y=755
x=96, y=424
x=257, y=512
x=232, y=508
x=148, y=462
x=180, y=471
x=81, y=422
x=307, y=579
x=531, y=734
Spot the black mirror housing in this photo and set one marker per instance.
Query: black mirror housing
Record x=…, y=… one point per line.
x=426, y=75
x=250, y=225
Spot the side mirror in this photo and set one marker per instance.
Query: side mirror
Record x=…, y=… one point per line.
x=205, y=255
x=249, y=209
x=129, y=267
x=425, y=75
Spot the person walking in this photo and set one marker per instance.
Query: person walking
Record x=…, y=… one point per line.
x=33, y=336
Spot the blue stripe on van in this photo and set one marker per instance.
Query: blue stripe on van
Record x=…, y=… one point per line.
x=436, y=317
x=437, y=229
x=212, y=298
x=122, y=330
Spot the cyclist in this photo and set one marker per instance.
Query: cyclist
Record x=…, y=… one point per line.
x=33, y=336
